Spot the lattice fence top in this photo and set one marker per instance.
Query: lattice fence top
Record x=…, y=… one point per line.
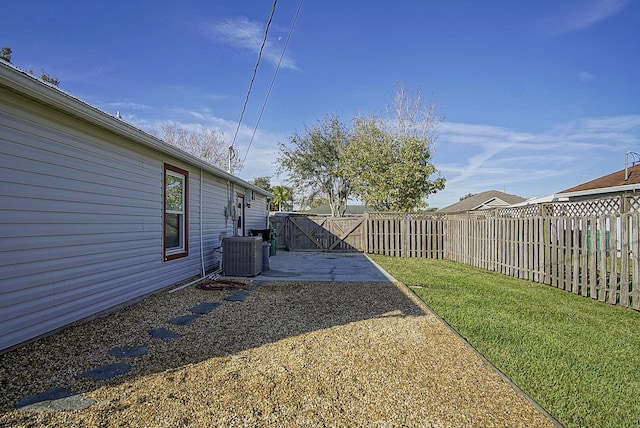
x=591, y=207
x=634, y=204
x=525, y=211
x=594, y=207
x=583, y=208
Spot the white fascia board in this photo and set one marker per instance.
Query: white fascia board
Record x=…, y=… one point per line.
x=24, y=84
x=614, y=189
x=485, y=203
x=534, y=201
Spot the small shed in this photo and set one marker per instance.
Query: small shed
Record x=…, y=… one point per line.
x=95, y=212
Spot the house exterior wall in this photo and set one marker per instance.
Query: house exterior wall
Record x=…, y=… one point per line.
x=81, y=219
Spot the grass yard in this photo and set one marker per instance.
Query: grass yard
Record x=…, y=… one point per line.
x=578, y=358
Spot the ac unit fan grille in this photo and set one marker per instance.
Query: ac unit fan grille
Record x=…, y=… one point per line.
x=242, y=256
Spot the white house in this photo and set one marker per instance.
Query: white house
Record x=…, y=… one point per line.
x=95, y=212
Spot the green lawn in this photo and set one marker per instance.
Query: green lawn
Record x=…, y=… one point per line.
x=578, y=358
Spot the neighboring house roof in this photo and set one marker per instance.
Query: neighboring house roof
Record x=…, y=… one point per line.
x=536, y=200
x=19, y=81
x=616, y=182
x=483, y=201
x=623, y=181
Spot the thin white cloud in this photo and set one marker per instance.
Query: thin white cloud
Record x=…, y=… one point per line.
x=260, y=156
x=472, y=157
x=246, y=36
x=476, y=158
x=585, y=14
x=130, y=105
x=585, y=76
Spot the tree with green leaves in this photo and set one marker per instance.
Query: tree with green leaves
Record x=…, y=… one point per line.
x=389, y=160
x=282, y=197
x=45, y=77
x=5, y=54
x=313, y=162
x=312, y=200
x=263, y=182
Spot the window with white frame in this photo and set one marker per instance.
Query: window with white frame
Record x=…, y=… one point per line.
x=175, y=212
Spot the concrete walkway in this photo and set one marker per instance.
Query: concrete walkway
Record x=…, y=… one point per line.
x=319, y=266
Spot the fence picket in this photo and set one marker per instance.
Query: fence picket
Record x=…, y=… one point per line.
x=635, y=257
x=602, y=256
x=583, y=268
x=624, y=260
x=613, y=260
x=593, y=260
x=575, y=256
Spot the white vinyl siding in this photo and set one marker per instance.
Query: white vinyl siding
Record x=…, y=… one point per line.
x=81, y=220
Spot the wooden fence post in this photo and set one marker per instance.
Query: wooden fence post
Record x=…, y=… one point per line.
x=635, y=251
x=624, y=259
x=365, y=238
x=404, y=241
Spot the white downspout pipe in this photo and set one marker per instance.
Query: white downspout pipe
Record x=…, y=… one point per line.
x=202, y=270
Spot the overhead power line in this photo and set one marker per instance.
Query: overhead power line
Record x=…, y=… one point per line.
x=275, y=74
x=255, y=71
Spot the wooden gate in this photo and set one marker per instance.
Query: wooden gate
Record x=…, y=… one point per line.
x=315, y=233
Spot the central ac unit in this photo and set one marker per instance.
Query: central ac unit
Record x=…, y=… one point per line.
x=242, y=255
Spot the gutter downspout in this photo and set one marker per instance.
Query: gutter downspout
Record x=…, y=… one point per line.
x=202, y=270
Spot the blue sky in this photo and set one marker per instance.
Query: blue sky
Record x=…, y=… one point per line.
x=536, y=96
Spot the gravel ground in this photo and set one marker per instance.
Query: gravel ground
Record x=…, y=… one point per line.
x=291, y=354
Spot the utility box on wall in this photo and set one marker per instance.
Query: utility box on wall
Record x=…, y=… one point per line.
x=242, y=255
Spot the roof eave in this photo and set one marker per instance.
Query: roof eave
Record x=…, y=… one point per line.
x=21, y=82
x=600, y=191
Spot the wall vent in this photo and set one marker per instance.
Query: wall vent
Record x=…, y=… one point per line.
x=242, y=255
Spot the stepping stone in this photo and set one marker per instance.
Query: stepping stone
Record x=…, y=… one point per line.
x=237, y=296
x=184, y=319
x=204, y=308
x=106, y=372
x=163, y=334
x=128, y=351
x=54, y=399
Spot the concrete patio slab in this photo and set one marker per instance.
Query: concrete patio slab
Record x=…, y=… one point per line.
x=319, y=266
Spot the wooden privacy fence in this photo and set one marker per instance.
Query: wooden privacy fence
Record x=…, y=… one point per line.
x=317, y=233
x=596, y=256
x=402, y=235
x=405, y=235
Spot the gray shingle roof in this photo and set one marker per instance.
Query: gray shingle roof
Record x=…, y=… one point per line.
x=485, y=200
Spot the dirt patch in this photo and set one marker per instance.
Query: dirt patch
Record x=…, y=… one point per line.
x=290, y=354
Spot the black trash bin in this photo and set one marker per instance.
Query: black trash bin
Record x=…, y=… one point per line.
x=266, y=245
x=265, y=233
x=265, y=256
